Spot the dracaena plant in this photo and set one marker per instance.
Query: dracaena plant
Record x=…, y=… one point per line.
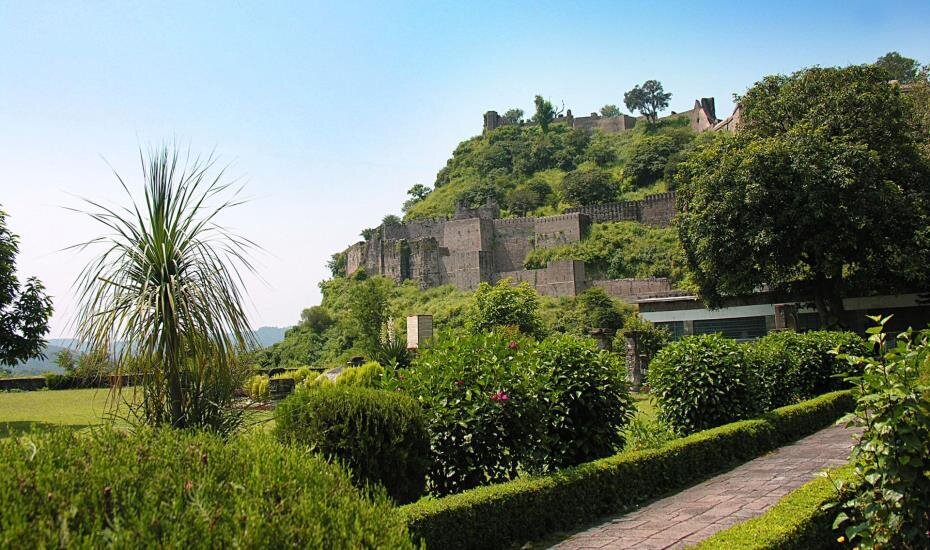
x=165, y=292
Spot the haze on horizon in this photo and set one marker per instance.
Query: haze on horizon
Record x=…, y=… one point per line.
x=328, y=114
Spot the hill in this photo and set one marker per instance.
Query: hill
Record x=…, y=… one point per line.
x=524, y=169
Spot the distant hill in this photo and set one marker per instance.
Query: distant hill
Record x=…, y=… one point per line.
x=268, y=336
x=41, y=366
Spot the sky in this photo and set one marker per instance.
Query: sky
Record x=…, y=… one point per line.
x=328, y=112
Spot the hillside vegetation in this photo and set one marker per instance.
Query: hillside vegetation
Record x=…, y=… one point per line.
x=531, y=172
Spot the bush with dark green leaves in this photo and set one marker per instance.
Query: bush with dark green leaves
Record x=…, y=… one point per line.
x=793, y=366
x=173, y=489
x=584, y=399
x=703, y=381
x=505, y=304
x=380, y=436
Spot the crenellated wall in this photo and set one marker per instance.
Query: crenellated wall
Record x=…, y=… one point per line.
x=476, y=247
x=632, y=288
x=656, y=210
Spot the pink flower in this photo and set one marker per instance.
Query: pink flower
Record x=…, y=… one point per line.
x=513, y=344
x=499, y=396
x=459, y=382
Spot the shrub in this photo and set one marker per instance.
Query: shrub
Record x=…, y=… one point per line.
x=804, y=364
x=701, y=382
x=799, y=520
x=478, y=407
x=592, y=186
x=583, y=398
x=533, y=507
x=380, y=436
x=777, y=368
x=366, y=376
x=890, y=496
x=652, y=338
x=648, y=159
x=505, y=304
x=256, y=387
x=646, y=433
x=174, y=489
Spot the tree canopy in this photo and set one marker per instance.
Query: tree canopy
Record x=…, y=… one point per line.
x=823, y=191
x=25, y=309
x=545, y=113
x=897, y=67
x=589, y=186
x=514, y=116
x=610, y=110
x=649, y=99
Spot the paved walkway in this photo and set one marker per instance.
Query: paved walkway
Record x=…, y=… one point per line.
x=695, y=514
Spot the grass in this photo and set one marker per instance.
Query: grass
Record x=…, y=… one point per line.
x=24, y=411
x=645, y=405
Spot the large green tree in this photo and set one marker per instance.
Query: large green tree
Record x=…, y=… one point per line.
x=897, y=67
x=370, y=312
x=824, y=191
x=649, y=99
x=610, y=111
x=24, y=308
x=589, y=186
x=545, y=113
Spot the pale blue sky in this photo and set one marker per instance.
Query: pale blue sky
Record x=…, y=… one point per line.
x=329, y=112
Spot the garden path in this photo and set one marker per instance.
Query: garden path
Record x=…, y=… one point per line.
x=688, y=517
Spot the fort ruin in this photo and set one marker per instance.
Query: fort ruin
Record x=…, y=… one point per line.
x=477, y=246
x=701, y=117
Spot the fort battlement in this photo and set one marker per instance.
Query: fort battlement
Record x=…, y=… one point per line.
x=701, y=117
x=476, y=246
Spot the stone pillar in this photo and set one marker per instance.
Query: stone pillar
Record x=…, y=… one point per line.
x=419, y=330
x=636, y=360
x=604, y=338
x=786, y=316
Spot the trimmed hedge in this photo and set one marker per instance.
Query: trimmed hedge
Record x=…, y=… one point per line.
x=532, y=507
x=173, y=489
x=797, y=521
x=381, y=436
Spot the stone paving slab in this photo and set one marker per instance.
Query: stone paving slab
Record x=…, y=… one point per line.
x=688, y=517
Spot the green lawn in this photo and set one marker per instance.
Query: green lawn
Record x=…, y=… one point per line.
x=644, y=404
x=23, y=411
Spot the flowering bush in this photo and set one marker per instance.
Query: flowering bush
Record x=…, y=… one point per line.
x=478, y=407
x=498, y=403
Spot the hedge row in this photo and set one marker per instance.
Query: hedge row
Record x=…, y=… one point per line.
x=65, y=382
x=530, y=508
x=796, y=521
x=173, y=489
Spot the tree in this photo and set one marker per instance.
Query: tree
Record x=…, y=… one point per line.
x=24, y=309
x=317, y=319
x=522, y=200
x=545, y=113
x=897, y=67
x=514, y=116
x=810, y=196
x=337, y=264
x=390, y=219
x=648, y=158
x=368, y=233
x=505, y=304
x=610, y=111
x=65, y=360
x=369, y=311
x=589, y=186
x=649, y=99
x=167, y=287
x=419, y=192
x=598, y=310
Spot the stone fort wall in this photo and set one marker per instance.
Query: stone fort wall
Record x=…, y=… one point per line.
x=476, y=246
x=655, y=210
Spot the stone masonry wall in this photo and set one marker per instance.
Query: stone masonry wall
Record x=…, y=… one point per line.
x=657, y=210
x=558, y=278
x=513, y=240
x=556, y=230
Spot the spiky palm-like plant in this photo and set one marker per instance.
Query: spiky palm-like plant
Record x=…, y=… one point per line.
x=165, y=294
